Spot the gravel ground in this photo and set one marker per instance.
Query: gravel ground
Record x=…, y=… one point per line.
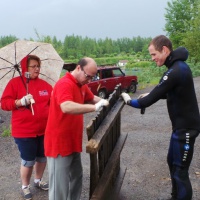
x=144, y=156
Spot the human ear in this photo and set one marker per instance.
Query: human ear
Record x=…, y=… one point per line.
x=165, y=50
x=78, y=67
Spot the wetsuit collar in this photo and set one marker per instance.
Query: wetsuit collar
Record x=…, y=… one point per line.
x=181, y=53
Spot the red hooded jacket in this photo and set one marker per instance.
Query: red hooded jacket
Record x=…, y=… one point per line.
x=23, y=123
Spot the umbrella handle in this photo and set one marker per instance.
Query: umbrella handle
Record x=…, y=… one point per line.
x=26, y=88
x=27, y=75
x=32, y=102
x=32, y=109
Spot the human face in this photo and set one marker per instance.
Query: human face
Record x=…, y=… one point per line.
x=89, y=77
x=34, y=69
x=87, y=73
x=158, y=57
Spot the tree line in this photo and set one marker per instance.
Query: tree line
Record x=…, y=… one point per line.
x=75, y=47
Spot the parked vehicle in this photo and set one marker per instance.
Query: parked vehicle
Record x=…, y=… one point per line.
x=108, y=77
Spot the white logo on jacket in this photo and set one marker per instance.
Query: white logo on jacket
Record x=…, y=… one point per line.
x=43, y=93
x=165, y=78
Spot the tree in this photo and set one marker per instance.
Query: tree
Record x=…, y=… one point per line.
x=57, y=44
x=5, y=40
x=178, y=17
x=192, y=36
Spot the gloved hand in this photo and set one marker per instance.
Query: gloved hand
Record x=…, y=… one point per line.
x=26, y=100
x=126, y=97
x=100, y=104
x=143, y=95
x=142, y=111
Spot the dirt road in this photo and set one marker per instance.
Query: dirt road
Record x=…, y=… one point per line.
x=144, y=156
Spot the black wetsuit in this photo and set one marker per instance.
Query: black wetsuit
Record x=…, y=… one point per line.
x=176, y=85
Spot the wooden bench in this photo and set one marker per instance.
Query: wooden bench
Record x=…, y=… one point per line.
x=105, y=143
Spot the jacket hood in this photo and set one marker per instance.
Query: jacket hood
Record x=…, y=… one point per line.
x=24, y=66
x=180, y=53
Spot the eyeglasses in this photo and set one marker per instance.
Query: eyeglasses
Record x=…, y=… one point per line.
x=34, y=66
x=86, y=75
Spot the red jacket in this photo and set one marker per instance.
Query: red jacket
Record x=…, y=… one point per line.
x=23, y=123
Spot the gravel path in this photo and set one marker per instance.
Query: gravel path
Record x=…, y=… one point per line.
x=144, y=156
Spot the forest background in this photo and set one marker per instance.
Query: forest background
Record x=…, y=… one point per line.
x=182, y=27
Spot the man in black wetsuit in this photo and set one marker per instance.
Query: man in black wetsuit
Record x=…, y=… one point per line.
x=176, y=85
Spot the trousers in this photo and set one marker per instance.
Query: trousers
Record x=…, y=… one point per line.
x=65, y=177
x=179, y=158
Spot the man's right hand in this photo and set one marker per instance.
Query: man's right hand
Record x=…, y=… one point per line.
x=26, y=100
x=143, y=95
x=126, y=97
x=142, y=111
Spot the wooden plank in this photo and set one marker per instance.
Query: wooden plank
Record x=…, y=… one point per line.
x=96, y=141
x=94, y=173
x=98, y=163
x=109, y=172
x=118, y=183
x=101, y=154
x=90, y=129
x=95, y=122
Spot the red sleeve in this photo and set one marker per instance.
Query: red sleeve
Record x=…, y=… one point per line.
x=64, y=92
x=89, y=95
x=9, y=95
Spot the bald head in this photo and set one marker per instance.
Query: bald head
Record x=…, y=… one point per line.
x=85, y=70
x=86, y=60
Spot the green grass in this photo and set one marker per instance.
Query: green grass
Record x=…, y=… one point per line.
x=6, y=132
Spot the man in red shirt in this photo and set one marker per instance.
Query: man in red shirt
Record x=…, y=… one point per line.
x=71, y=98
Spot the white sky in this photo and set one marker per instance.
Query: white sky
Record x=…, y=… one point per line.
x=91, y=18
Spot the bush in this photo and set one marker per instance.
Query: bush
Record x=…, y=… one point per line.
x=6, y=132
x=195, y=69
x=137, y=65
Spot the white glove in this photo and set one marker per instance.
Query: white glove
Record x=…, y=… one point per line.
x=143, y=95
x=126, y=97
x=100, y=104
x=26, y=100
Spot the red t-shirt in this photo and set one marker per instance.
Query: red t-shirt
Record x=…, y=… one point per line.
x=64, y=132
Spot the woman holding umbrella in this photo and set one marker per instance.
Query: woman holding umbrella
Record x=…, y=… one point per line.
x=28, y=96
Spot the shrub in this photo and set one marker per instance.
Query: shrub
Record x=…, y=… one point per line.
x=6, y=132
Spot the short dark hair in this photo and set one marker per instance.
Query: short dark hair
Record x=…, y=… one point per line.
x=82, y=62
x=33, y=57
x=159, y=41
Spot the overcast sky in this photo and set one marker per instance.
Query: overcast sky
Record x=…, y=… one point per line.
x=92, y=18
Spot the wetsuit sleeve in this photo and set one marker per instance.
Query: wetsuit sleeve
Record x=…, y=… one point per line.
x=134, y=103
x=167, y=82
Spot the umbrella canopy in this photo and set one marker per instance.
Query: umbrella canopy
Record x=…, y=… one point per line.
x=12, y=54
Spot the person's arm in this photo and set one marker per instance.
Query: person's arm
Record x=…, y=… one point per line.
x=167, y=82
x=71, y=107
x=96, y=99
x=9, y=101
x=131, y=102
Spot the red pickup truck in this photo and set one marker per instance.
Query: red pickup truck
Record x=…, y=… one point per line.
x=108, y=77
